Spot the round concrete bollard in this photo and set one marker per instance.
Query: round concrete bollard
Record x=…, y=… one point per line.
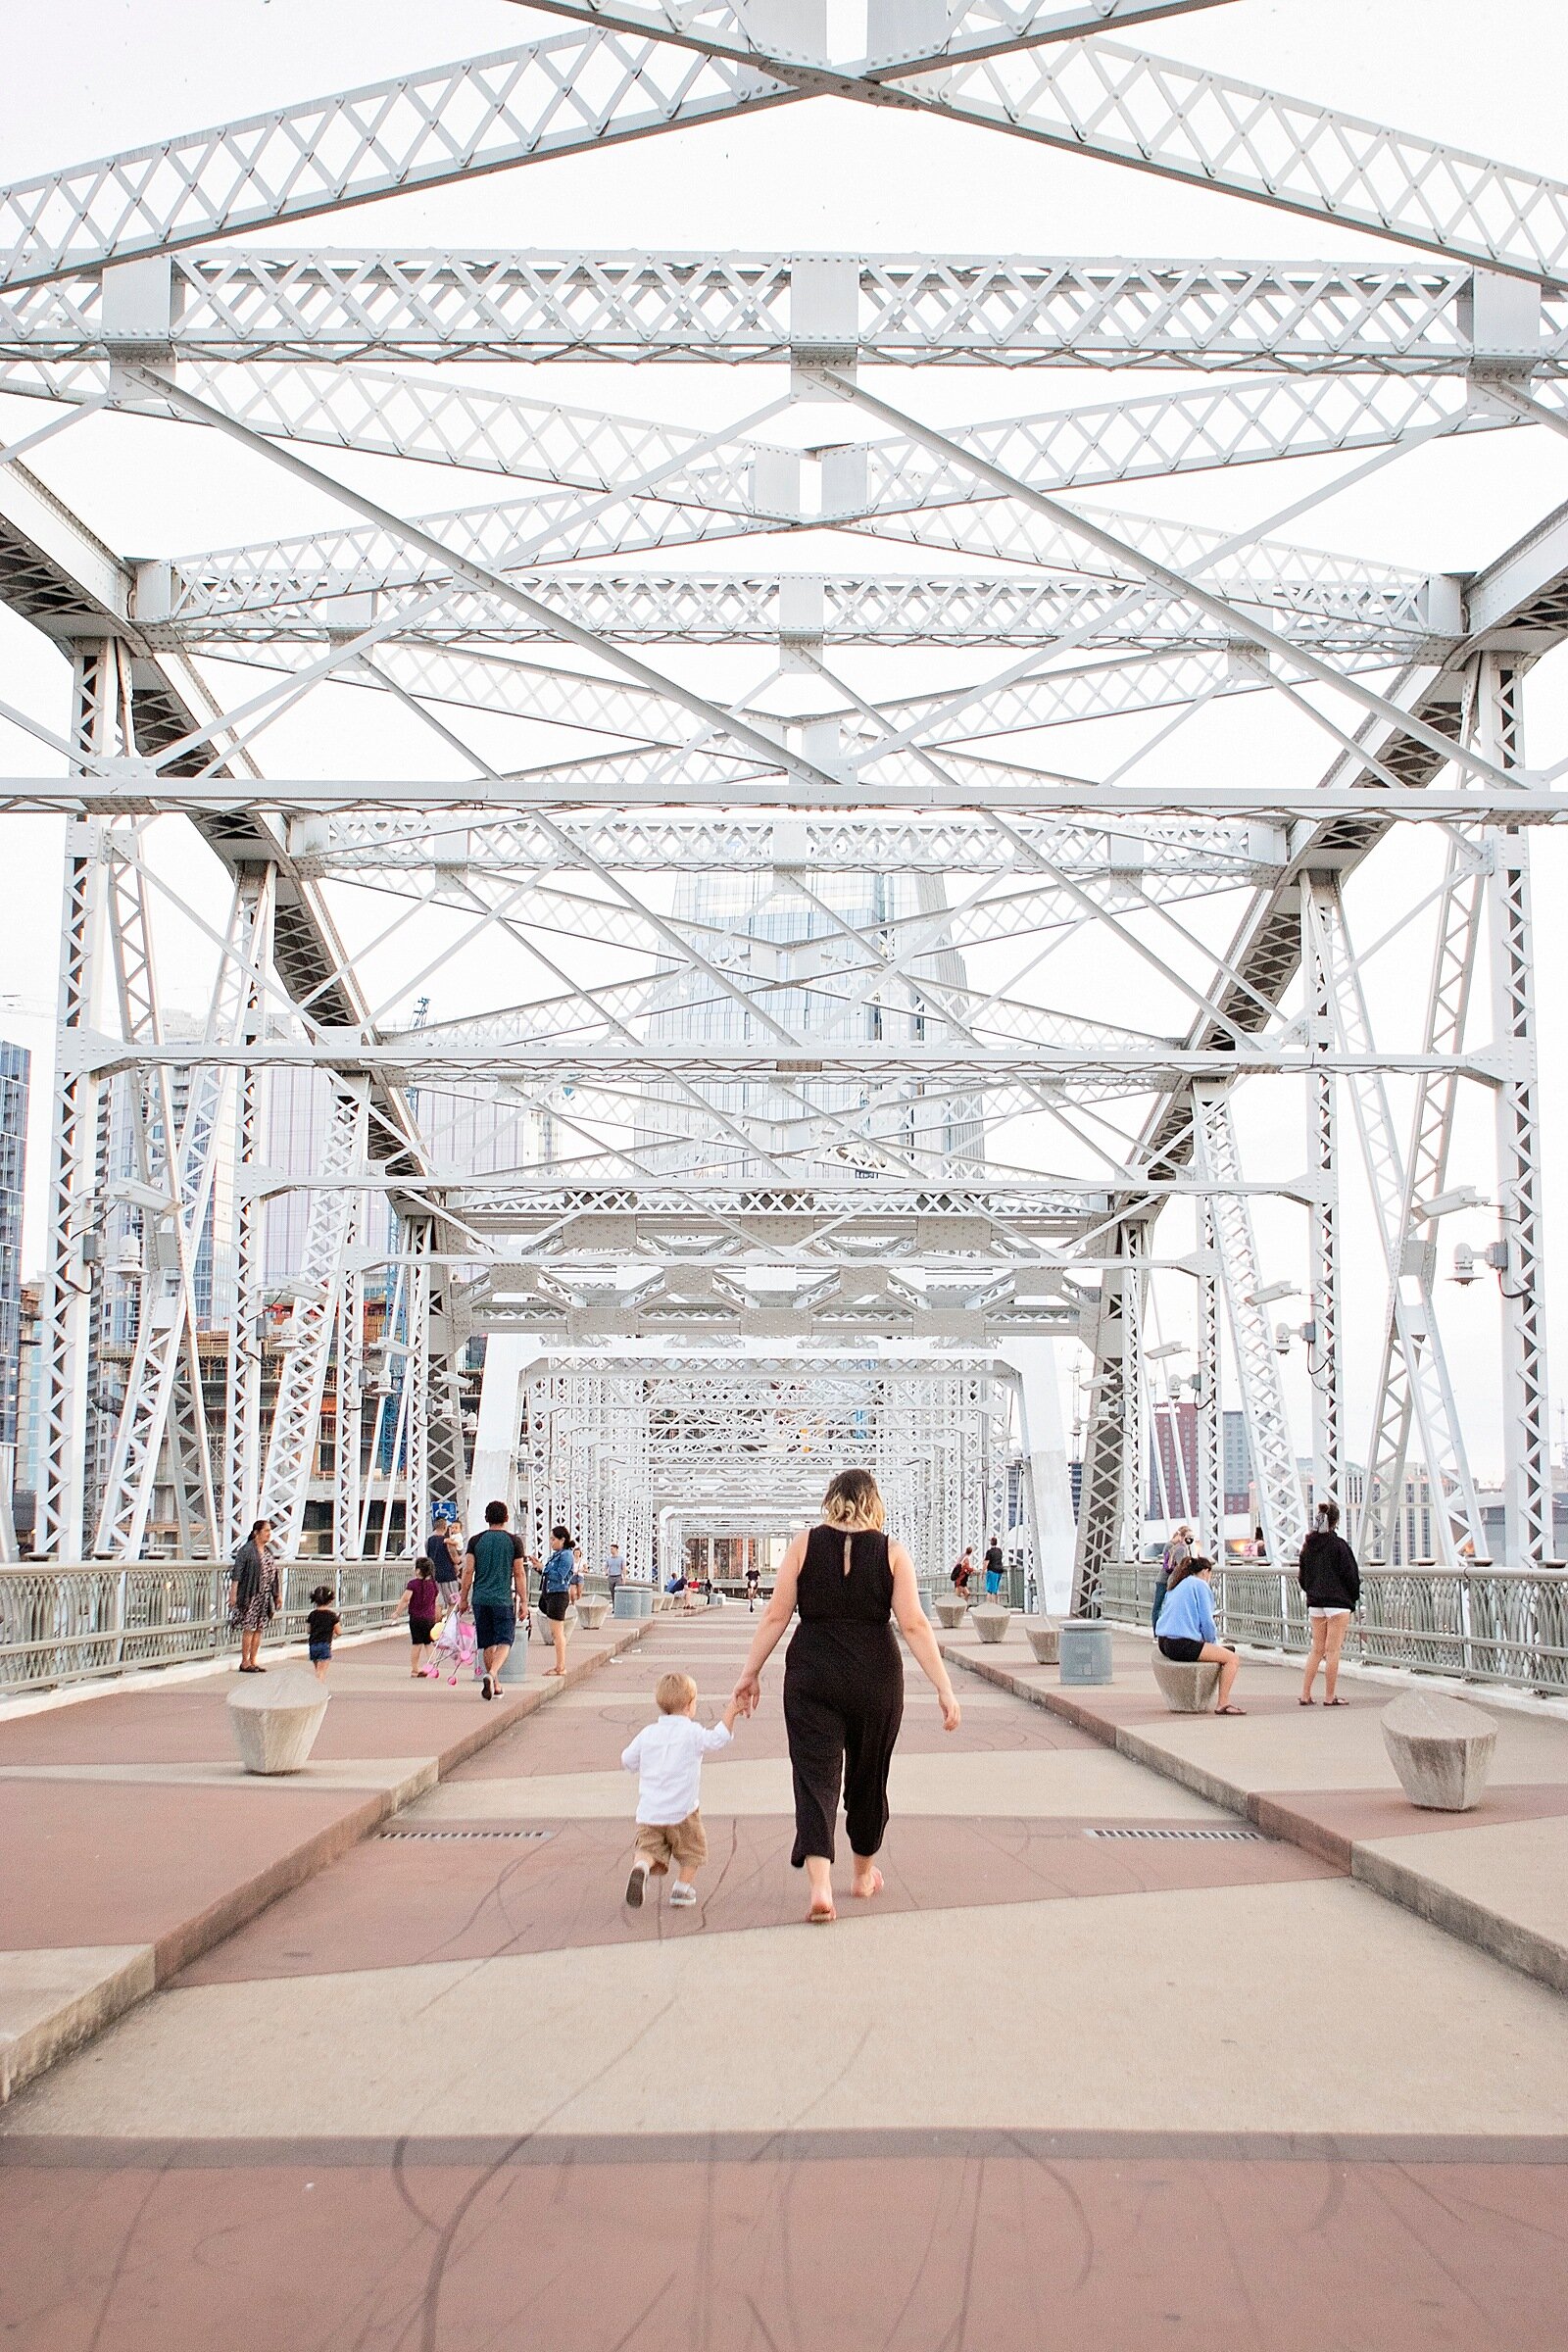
x=592, y=1613
x=951, y=1612
x=1045, y=1640
x=515, y=1666
x=1441, y=1748
x=634, y=1600
x=991, y=1624
x=275, y=1717
x=1084, y=1654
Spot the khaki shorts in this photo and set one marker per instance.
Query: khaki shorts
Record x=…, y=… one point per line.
x=683, y=1843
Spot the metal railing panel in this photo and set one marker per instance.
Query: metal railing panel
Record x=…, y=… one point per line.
x=72, y=1625
x=1484, y=1624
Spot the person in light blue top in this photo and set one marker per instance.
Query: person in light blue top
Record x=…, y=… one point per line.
x=1186, y=1630
x=558, y=1588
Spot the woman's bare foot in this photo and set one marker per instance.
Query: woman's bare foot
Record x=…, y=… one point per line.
x=868, y=1885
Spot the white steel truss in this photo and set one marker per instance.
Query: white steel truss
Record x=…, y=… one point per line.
x=771, y=1012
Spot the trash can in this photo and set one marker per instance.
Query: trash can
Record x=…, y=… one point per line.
x=1085, y=1650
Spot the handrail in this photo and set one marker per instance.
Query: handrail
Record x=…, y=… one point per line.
x=1484, y=1624
x=84, y=1624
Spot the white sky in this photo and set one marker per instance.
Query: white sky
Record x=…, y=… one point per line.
x=102, y=74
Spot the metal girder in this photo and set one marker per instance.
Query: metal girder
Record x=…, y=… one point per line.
x=68, y=579
x=127, y=787
x=597, y=88
x=1307, y=318
x=859, y=844
x=261, y=594
x=423, y=131
x=1176, y=121
x=1268, y=1426
x=830, y=1058
x=1524, y=595
x=1416, y=1384
x=1236, y=422
x=296, y=1416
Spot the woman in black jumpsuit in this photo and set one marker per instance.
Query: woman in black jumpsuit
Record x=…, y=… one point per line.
x=844, y=1678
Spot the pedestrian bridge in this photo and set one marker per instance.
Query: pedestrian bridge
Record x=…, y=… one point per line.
x=1164, y=2029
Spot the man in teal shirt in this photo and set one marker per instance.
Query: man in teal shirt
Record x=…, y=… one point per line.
x=495, y=1578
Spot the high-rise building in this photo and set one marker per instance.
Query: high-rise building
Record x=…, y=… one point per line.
x=16, y=1069
x=1173, y=1461
x=1236, y=1464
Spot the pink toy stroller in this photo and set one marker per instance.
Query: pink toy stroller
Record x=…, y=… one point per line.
x=456, y=1647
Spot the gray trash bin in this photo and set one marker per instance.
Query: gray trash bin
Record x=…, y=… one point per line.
x=1085, y=1650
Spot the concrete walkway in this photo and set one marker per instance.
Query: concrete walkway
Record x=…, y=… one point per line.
x=134, y=1841
x=1105, y=2066
x=1497, y=1876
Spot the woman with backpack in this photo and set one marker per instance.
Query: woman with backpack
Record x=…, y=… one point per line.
x=1331, y=1580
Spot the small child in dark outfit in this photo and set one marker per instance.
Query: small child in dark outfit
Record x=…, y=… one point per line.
x=319, y=1628
x=421, y=1597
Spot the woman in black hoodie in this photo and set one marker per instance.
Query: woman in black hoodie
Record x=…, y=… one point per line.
x=1332, y=1581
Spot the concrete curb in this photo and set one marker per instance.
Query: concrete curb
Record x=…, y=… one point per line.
x=50, y=2032
x=1457, y=1915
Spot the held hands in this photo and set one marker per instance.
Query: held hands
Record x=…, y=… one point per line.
x=746, y=1694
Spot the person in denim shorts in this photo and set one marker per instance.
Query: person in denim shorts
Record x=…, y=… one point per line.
x=495, y=1578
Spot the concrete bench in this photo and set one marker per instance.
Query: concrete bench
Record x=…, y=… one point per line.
x=592, y=1610
x=951, y=1611
x=1186, y=1689
x=1045, y=1640
x=1441, y=1748
x=275, y=1717
x=989, y=1622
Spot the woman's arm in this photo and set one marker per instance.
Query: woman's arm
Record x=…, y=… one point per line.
x=776, y=1618
x=915, y=1626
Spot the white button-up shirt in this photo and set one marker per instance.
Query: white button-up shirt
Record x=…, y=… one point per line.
x=667, y=1757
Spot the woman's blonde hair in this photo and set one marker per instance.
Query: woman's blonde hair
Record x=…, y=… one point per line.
x=853, y=1503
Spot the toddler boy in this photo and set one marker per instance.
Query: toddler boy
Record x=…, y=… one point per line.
x=667, y=1758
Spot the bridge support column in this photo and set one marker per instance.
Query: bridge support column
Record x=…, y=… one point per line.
x=1047, y=1481
x=1528, y=1537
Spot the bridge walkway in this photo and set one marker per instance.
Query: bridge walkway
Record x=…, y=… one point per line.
x=1105, y=2063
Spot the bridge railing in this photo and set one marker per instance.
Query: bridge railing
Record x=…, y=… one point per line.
x=72, y=1625
x=1484, y=1624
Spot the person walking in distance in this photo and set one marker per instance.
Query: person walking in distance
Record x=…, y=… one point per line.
x=252, y=1592
x=1188, y=1634
x=495, y=1578
x=614, y=1570
x=1176, y=1551
x=667, y=1759
x=1331, y=1580
x=844, y=1678
x=558, y=1588
x=993, y=1568
x=960, y=1572
x=438, y=1550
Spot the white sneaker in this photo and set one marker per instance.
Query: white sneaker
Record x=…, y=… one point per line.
x=682, y=1897
x=636, y=1886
